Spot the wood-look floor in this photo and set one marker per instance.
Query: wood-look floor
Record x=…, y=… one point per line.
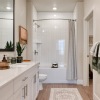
x=86, y=92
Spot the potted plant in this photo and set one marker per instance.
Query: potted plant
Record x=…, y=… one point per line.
x=20, y=48
x=9, y=45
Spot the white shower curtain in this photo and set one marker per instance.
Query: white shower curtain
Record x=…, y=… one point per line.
x=72, y=61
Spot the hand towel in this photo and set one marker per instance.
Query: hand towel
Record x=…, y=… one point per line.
x=93, y=50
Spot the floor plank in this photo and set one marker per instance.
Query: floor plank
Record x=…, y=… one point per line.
x=86, y=92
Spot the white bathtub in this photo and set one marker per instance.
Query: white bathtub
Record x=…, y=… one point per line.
x=54, y=75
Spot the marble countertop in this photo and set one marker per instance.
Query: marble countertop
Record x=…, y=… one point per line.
x=14, y=71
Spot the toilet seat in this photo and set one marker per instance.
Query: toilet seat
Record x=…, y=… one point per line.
x=42, y=77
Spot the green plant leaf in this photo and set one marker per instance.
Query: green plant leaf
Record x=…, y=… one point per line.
x=20, y=48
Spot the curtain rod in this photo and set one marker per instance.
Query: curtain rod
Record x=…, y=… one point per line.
x=6, y=18
x=53, y=19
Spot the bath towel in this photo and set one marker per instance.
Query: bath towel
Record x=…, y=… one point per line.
x=95, y=51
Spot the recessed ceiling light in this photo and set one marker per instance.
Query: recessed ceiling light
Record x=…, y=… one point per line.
x=54, y=8
x=55, y=15
x=43, y=31
x=8, y=8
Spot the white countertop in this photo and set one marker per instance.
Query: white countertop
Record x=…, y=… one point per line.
x=14, y=71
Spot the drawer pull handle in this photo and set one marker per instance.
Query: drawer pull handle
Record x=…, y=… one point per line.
x=25, y=79
x=23, y=92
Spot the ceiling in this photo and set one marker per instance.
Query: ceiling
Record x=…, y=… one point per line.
x=4, y=4
x=62, y=5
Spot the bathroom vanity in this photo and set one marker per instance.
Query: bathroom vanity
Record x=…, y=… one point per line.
x=20, y=82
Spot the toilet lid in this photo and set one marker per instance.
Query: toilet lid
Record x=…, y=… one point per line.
x=42, y=75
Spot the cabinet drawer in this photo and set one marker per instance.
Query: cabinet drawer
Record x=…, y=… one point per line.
x=6, y=91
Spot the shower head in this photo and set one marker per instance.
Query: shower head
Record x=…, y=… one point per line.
x=37, y=25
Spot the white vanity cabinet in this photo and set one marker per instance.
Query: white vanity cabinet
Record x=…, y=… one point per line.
x=22, y=87
x=25, y=86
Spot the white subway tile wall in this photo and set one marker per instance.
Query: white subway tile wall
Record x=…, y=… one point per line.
x=53, y=35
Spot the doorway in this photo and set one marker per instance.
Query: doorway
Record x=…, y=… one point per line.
x=88, y=43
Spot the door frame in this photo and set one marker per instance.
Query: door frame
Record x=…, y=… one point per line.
x=86, y=48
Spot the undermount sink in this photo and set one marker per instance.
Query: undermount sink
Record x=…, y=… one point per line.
x=18, y=65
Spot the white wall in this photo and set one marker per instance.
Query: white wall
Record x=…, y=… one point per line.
x=94, y=5
x=32, y=31
x=20, y=19
x=78, y=15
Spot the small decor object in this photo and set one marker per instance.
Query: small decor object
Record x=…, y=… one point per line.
x=4, y=59
x=23, y=35
x=20, y=48
x=9, y=59
x=13, y=60
x=4, y=65
x=26, y=60
x=54, y=65
x=9, y=45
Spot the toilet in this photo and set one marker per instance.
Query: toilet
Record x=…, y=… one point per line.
x=42, y=77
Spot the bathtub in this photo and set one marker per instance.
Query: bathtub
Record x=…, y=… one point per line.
x=54, y=75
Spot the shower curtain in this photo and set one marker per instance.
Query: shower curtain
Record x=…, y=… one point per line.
x=72, y=61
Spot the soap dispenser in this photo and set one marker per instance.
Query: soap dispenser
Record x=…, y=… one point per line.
x=4, y=59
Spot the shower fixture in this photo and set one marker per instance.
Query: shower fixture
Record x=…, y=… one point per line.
x=37, y=25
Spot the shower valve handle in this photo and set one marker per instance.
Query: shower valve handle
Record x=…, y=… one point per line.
x=35, y=52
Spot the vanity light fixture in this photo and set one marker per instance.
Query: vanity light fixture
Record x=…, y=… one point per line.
x=8, y=8
x=54, y=8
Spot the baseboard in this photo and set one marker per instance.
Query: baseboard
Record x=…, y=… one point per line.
x=95, y=97
x=61, y=81
x=80, y=82
x=65, y=81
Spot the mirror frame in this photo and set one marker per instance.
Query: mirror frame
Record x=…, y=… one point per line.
x=12, y=50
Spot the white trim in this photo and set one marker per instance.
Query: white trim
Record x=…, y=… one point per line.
x=96, y=97
x=80, y=82
x=86, y=69
x=92, y=10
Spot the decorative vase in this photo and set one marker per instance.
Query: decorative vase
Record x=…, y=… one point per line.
x=13, y=60
x=19, y=59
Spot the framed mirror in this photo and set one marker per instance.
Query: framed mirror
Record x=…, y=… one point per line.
x=7, y=27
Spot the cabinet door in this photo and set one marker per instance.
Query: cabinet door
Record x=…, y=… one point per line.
x=34, y=87
x=20, y=94
x=11, y=98
x=37, y=80
x=26, y=91
x=6, y=91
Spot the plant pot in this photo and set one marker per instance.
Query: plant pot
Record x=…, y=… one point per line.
x=19, y=59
